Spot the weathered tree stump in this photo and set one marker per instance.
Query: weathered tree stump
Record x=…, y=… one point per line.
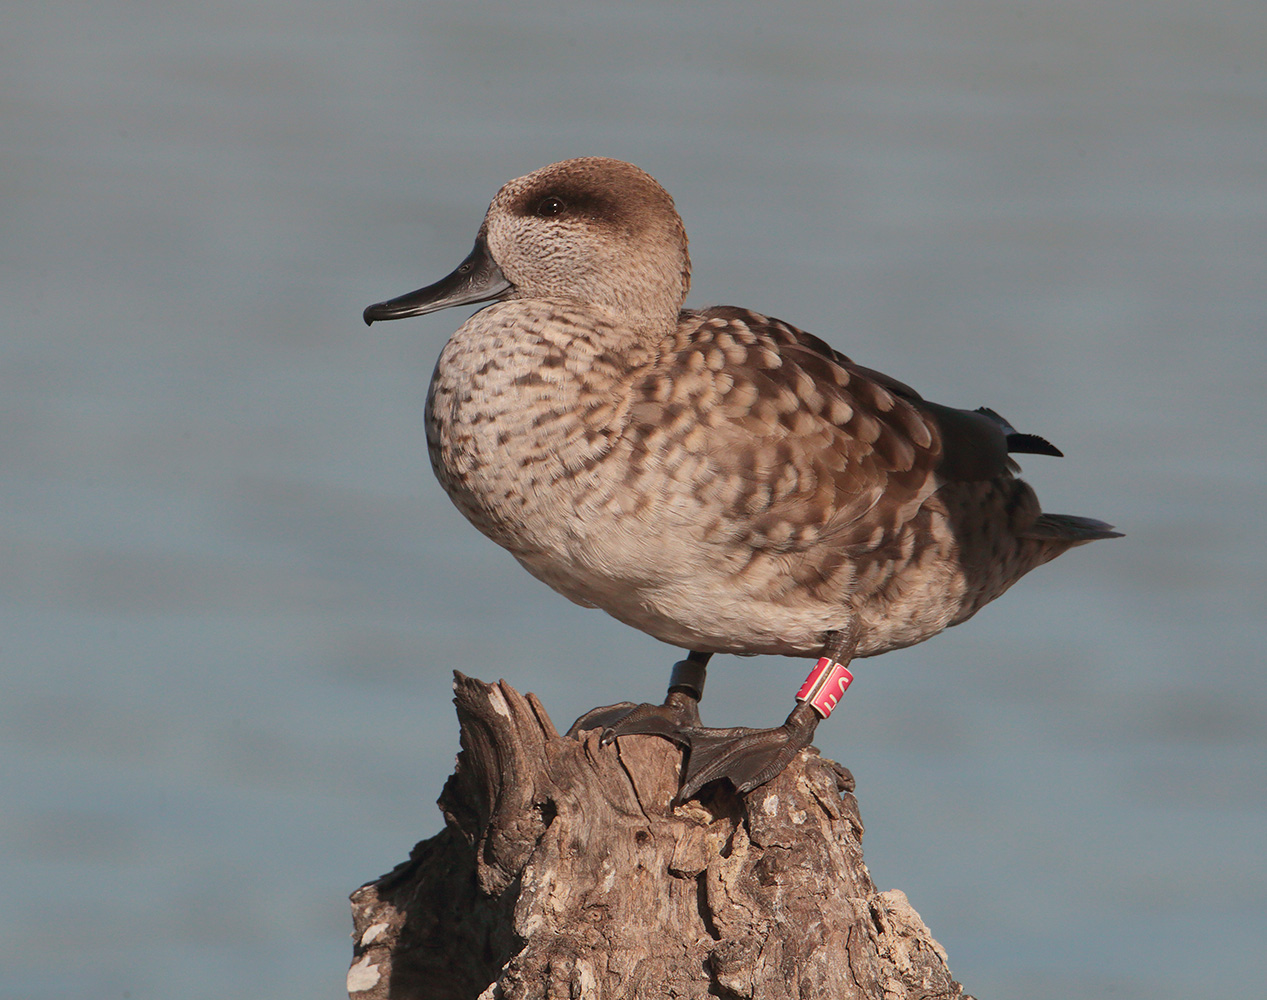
x=564, y=871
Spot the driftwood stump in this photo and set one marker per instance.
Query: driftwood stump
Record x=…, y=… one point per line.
x=564, y=871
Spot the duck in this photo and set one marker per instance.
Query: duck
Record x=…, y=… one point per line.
x=717, y=478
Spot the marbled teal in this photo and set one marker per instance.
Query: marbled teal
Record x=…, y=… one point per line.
x=716, y=478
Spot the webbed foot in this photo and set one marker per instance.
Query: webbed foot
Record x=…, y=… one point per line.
x=675, y=720
x=747, y=757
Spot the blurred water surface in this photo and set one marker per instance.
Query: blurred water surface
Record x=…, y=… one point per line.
x=232, y=593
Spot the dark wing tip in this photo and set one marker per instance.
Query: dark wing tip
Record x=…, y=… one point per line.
x=1031, y=444
x=1018, y=443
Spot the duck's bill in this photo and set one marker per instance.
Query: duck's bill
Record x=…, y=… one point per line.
x=477, y=279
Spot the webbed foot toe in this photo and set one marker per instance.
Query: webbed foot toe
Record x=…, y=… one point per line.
x=675, y=720
x=748, y=758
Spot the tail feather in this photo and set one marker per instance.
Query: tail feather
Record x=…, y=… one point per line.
x=1068, y=528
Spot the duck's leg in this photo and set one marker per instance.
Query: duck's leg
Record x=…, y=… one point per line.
x=748, y=757
x=675, y=719
x=751, y=757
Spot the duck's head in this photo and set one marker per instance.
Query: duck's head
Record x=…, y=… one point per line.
x=594, y=231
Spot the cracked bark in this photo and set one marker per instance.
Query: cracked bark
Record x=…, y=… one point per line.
x=564, y=871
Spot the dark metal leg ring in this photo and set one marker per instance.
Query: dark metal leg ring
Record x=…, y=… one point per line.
x=688, y=676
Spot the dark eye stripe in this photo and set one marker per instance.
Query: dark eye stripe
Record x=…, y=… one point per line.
x=550, y=206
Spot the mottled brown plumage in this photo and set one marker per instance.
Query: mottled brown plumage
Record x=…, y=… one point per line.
x=716, y=478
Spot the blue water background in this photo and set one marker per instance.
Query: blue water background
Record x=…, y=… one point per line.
x=231, y=593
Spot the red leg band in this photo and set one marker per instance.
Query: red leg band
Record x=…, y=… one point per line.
x=825, y=686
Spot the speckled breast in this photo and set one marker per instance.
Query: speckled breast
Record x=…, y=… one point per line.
x=552, y=443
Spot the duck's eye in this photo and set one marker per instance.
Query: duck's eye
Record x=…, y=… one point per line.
x=550, y=206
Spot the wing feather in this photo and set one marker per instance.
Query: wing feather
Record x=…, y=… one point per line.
x=803, y=446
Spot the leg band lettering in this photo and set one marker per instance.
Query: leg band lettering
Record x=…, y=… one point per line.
x=825, y=686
